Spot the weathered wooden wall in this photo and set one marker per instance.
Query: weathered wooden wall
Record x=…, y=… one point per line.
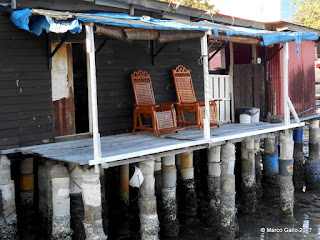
x=25, y=87
x=249, y=87
x=25, y=80
x=118, y=59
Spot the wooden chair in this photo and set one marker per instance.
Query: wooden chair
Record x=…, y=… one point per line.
x=163, y=115
x=187, y=100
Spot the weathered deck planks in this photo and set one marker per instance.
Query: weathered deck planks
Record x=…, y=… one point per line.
x=122, y=147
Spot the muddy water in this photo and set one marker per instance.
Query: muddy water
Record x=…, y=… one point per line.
x=265, y=222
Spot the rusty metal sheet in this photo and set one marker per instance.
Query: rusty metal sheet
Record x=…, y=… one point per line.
x=141, y=34
x=301, y=78
x=169, y=36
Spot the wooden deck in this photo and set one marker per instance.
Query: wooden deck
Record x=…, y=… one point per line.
x=127, y=148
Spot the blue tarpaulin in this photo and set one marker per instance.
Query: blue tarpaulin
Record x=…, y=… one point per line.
x=35, y=23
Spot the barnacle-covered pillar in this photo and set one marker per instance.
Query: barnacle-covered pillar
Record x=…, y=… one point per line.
x=60, y=181
x=285, y=177
x=248, y=185
x=313, y=163
x=228, y=226
x=149, y=223
x=298, y=165
x=170, y=222
x=270, y=179
x=8, y=215
x=214, y=172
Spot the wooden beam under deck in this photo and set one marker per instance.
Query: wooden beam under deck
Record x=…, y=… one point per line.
x=127, y=148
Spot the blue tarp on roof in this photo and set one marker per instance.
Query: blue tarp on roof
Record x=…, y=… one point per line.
x=27, y=20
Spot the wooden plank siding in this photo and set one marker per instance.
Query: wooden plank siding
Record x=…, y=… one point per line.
x=118, y=59
x=249, y=87
x=25, y=82
x=25, y=88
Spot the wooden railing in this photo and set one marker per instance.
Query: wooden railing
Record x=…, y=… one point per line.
x=220, y=89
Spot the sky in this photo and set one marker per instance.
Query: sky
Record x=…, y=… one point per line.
x=258, y=10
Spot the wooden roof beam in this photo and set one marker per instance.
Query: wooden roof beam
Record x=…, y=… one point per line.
x=239, y=39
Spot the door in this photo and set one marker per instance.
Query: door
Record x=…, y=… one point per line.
x=63, y=91
x=249, y=87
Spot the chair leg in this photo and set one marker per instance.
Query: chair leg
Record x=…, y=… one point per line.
x=154, y=124
x=198, y=118
x=179, y=112
x=182, y=116
x=140, y=120
x=134, y=122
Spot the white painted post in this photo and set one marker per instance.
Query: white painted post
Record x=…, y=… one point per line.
x=231, y=81
x=293, y=111
x=93, y=94
x=254, y=53
x=285, y=84
x=205, y=63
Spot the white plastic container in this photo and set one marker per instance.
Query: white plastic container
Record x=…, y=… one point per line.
x=245, y=118
x=255, y=115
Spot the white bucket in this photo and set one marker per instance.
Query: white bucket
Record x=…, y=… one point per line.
x=245, y=118
x=137, y=178
x=255, y=115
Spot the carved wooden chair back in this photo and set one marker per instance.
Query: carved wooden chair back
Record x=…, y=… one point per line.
x=142, y=88
x=183, y=83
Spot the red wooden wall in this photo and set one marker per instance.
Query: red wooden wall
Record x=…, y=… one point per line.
x=301, y=77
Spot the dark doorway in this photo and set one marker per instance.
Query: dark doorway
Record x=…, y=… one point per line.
x=80, y=87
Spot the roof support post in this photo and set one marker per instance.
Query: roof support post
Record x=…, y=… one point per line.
x=205, y=63
x=91, y=66
x=285, y=84
x=231, y=81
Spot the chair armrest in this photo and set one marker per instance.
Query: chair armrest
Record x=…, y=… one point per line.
x=144, y=106
x=189, y=103
x=202, y=103
x=165, y=104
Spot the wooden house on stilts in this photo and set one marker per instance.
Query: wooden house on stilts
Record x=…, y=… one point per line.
x=67, y=105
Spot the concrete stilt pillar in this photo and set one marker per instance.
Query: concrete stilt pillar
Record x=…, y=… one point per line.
x=60, y=181
x=76, y=202
x=248, y=184
x=8, y=216
x=158, y=186
x=270, y=179
x=104, y=205
x=298, y=165
x=228, y=226
x=170, y=223
x=258, y=167
x=188, y=191
x=158, y=176
x=214, y=172
x=91, y=195
x=45, y=196
x=149, y=223
x=286, y=172
x=312, y=165
x=26, y=195
x=124, y=200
